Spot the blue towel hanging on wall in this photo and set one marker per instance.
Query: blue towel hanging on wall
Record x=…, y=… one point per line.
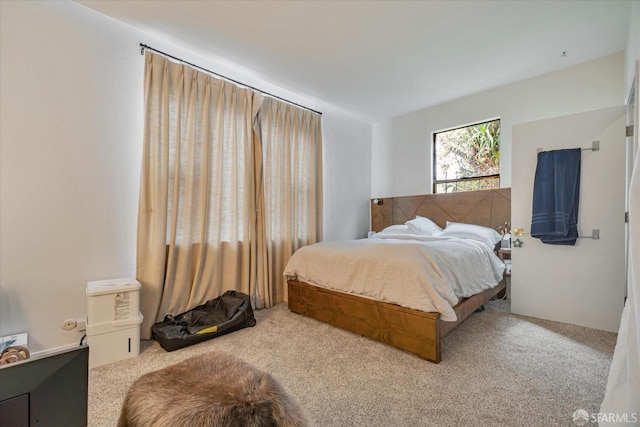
x=556, y=195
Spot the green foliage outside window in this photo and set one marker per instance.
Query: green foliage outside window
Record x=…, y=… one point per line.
x=467, y=158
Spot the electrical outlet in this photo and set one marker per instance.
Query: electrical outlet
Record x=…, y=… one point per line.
x=81, y=325
x=69, y=324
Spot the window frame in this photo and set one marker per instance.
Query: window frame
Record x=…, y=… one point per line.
x=435, y=182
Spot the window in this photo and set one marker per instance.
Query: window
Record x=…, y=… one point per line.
x=467, y=158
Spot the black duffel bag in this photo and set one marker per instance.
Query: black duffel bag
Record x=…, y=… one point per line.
x=229, y=312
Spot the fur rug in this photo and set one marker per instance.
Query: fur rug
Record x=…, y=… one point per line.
x=212, y=389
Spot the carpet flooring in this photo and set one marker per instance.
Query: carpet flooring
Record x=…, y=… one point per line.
x=497, y=369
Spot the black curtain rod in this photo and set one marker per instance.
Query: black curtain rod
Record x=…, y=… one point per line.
x=144, y=46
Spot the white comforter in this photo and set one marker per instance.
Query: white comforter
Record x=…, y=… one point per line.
x=419, y=272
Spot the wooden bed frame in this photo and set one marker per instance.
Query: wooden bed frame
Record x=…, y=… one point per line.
x=412, y=330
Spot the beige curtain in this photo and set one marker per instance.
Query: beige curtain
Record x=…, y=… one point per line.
x=291, y=153
x=205, y=221
x=196, y=207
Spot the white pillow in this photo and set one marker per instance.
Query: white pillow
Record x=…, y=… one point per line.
x=395, y=229
x=422, y=225
x=487, y=235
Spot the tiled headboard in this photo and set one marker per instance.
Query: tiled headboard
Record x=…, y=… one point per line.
x=491, y=208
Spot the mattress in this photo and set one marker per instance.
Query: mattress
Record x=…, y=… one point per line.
x=425, y=273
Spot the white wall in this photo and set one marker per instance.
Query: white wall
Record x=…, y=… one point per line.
x=70, y=163
x=401, y=147
x=582, y=284
x=347, y=178
x=70, y=151
x=632, y=51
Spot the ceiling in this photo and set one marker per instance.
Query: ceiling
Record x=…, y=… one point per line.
x=382, y=59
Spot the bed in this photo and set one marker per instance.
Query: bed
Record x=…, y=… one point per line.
x=416, y=328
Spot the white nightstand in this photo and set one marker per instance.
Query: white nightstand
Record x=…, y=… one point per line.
x=505, y=256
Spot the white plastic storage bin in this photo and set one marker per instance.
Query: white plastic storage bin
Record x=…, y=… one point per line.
x=113, y=320
x=112, y=300
x=112, y=341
